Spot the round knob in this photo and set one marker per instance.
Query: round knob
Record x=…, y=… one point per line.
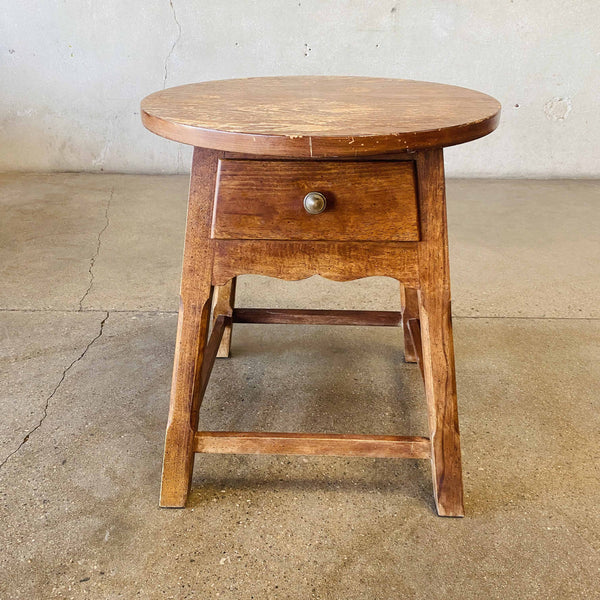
x=314, y=203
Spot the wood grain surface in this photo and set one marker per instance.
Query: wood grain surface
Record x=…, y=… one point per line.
x=366, y=200
x=307, y=316
x=409, y=304
x=321, y=444
x=435, y=320
x=319, y=116
x=223, y=305
x=255, y=204
x=339, y=261
x=189, y=379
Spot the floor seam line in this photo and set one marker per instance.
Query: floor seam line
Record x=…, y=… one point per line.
x=56, y=388
x=174, y=312
x=87, y=310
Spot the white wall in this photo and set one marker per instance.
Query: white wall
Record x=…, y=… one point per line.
x=72, y=72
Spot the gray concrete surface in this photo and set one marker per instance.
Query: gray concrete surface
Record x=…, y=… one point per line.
x=83, y=395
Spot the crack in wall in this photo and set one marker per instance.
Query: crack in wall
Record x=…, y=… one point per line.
x=98, y=242
x=56, y=388
x=175, y=42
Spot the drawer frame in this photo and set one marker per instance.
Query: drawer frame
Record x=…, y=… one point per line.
x=373, y=201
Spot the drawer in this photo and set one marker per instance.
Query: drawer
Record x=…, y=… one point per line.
x=365, y=200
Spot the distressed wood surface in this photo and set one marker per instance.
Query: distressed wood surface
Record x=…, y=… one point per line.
x=194, y=313
x=421, y=266
x=409, y=304
x=385, y=134
x=339, y=261
x=322, y=444
x=401, y=155
x=285, y=316
x=224, y=303
x=414, y=333
x=366, y=200
x=310, y=116
x=211, y=350
x=436, y=336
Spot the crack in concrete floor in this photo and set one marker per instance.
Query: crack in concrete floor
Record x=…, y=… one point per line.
x=97, y=253
x=56, y=388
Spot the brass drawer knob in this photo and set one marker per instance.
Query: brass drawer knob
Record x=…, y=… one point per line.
x=314, y=203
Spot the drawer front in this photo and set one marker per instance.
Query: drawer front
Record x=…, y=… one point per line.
x=365, y=200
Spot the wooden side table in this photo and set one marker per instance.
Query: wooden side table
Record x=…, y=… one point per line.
x=337, y=176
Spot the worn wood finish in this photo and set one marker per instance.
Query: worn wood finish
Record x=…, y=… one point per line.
x=284, y=316
x=409, y=303
x=224, y=303
x=366, y=200
x=327, y=444
x=436, y=336
x=194, y=313
x=396, y=156
x=340, y=261
x=275, y=138
x=211, y=350
x=414, y=332
x=319, y=116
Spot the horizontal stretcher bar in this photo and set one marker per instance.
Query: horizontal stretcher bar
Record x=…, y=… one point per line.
x=284, y=316
x=324, y=444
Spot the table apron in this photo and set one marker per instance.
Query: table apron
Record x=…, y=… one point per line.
x=293, y=260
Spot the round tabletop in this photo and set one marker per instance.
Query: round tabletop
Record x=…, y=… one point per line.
x=319, y=116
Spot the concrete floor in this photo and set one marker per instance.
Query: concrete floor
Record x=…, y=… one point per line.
x=90, y=268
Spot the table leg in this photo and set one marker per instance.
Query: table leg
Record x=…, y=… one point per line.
x=192, y=329
x=224, y=304
x=182, y=425
x=409, y=304
x=436, y=337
